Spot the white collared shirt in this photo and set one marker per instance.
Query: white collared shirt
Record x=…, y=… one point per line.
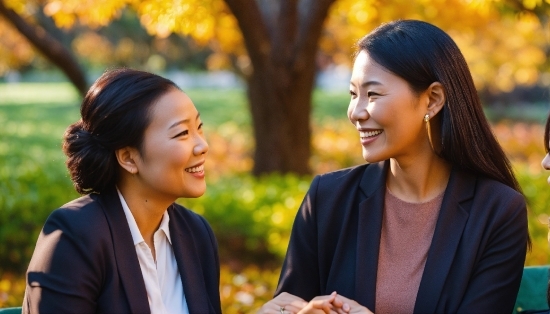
x=162, y=279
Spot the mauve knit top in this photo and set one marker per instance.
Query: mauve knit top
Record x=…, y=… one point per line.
x=407, y=231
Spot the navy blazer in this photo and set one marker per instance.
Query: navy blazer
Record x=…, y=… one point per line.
x=474, y=263
x=85, y=261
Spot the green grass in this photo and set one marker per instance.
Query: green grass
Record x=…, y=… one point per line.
x=218, y=107
x=34, y=116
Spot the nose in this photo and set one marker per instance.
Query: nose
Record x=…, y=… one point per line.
x=546, y=162
x=201, y=146
x=357, y=111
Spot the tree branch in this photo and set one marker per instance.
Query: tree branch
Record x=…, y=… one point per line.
x=253, y=28
x=312, y=15
x=51, y=48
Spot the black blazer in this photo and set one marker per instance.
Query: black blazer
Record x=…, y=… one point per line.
x=85, y=261
x=474, y=263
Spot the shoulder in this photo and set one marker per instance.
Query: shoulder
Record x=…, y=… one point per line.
x=494, y=200
x=73, y=234
x=497, y=189
x=345, y=181
x=345, y=174
x=497, y=193
x=351, y=175
x=82, y=218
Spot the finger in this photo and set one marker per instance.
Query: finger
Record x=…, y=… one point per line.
x=346, y=307
x=290, y=309
x=337, y=302
x=340, y=310
x=323, y=305
x=284, y=299
x=324, y=297
x=300, y=304
x=287, y=297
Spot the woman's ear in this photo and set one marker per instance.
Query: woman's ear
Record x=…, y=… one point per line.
x=436, y=98
x=127, y=159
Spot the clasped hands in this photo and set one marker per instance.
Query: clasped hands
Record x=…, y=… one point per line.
x=286, y=303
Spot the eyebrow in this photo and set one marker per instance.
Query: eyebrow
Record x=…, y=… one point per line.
x=183, y=121
x=368, y=83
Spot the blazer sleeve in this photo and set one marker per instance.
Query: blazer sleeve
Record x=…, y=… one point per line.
x=300, y=272
x=65, y=272
x=495, y=282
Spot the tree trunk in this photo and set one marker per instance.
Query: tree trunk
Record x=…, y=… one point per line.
x=281, y=120
x=51, y=48
x=282, y=43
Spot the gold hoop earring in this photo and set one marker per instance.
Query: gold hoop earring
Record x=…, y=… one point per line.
x=429, y=131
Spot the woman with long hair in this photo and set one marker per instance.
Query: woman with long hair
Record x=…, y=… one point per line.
x=435, y=222
x=125, y=246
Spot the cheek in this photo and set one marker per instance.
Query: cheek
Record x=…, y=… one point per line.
x=179, y=155
x=350, y=110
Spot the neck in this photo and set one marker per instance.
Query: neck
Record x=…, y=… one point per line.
x=418, y=179
x=146, y=209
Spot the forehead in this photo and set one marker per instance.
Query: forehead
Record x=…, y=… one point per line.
x=366, y=69
x=173, y=106
x=364, y=65
x=362, y=60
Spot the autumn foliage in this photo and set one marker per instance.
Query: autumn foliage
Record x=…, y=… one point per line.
x=502, y=49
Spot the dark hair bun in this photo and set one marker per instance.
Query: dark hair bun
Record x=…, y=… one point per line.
x=89, y=162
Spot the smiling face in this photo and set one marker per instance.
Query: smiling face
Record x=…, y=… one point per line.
x=386, y=112
x=171, y=161
x=546, y=163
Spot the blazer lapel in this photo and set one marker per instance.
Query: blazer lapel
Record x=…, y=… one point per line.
x=447, y=234
x=188, y=262
x=125, y=253
x=370, y=225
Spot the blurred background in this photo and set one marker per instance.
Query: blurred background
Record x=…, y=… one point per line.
x=270, y=79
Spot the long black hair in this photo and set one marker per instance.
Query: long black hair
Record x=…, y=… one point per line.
x=422, y=54
x=546, y=135
x=115, y=114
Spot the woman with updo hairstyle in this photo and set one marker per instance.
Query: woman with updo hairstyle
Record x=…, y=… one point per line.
x=435, y=221
x=125, y=246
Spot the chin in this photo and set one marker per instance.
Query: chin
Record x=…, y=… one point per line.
x=371, y=158
x=194, y=193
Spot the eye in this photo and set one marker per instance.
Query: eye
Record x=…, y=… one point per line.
x=200, y=126
x=183, y=133
x=353, y=94
x=372, y=94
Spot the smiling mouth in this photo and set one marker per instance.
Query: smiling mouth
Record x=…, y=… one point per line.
x=195, y=169
x=368, y=134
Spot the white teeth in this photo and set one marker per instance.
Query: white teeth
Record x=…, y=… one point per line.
x=195, y=169
x=370, y=133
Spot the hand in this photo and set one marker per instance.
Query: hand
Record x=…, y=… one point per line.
x=290, y=304
x=326, y=304
x=352, y=307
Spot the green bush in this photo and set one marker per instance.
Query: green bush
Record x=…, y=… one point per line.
x=537, y=192
x=29, y=191
x=251, y=217
x=33, y=179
